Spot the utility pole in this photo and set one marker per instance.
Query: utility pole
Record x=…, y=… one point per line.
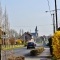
x=0, y=51
x=56, y=15
x=0, y=42
x=56, y=26
x=53, y=23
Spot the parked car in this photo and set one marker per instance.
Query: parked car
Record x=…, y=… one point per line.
x=31, y=45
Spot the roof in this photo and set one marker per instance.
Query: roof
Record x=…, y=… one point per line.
x=34, y=34
x=28, y=33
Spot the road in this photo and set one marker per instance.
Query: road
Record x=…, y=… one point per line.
x=19, y=52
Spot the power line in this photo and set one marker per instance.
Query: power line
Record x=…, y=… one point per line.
x=49, y=6
x=33, y=26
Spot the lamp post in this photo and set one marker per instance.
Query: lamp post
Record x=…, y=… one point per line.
x=53, y=23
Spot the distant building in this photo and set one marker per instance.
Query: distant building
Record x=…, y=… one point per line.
x=35, y=34
x=26, y=36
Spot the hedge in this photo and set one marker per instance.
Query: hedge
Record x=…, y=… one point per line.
x=37, y=51
x=17, y=58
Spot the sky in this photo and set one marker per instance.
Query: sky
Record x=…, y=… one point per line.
x=27, y=14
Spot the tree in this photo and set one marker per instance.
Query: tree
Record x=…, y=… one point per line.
x=13, y=33
x=12, y=41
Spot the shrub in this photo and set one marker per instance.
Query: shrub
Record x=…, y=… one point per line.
x=25, y=44
x=33, y=52
x=19, y=42
x=36, y=51
x=56, y=44
x=12, y=41
x=20, y=58
x=17, y=58
x=11, y=58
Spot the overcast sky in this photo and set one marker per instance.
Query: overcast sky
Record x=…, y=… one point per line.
x=27, y=14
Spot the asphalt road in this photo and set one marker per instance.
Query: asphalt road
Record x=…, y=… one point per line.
x=19, y=52
x=16, y=52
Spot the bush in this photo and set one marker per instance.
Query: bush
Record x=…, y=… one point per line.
x=17, y=58
x=56, y=44
x=12, y=41
x=33, y=52
x=11, y=58
x=25, y=44
x=41, y=49
x=20, y=58
x=36, y=51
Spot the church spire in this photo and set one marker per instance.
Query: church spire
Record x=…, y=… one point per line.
x=36, y=31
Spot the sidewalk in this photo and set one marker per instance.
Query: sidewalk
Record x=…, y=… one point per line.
x=45, y=55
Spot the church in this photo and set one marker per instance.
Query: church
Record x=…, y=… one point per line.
x=35, y=34
x=27, y=36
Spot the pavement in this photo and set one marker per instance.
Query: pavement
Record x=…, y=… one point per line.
x=45, y=55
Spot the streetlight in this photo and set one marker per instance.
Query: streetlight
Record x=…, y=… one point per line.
x=53, y=23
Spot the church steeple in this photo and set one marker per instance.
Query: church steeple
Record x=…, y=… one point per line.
x=36, y=31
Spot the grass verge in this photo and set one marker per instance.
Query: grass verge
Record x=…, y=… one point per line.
x=9, y=47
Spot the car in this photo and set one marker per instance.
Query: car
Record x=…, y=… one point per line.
x=47, y=44
x=30, y=45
